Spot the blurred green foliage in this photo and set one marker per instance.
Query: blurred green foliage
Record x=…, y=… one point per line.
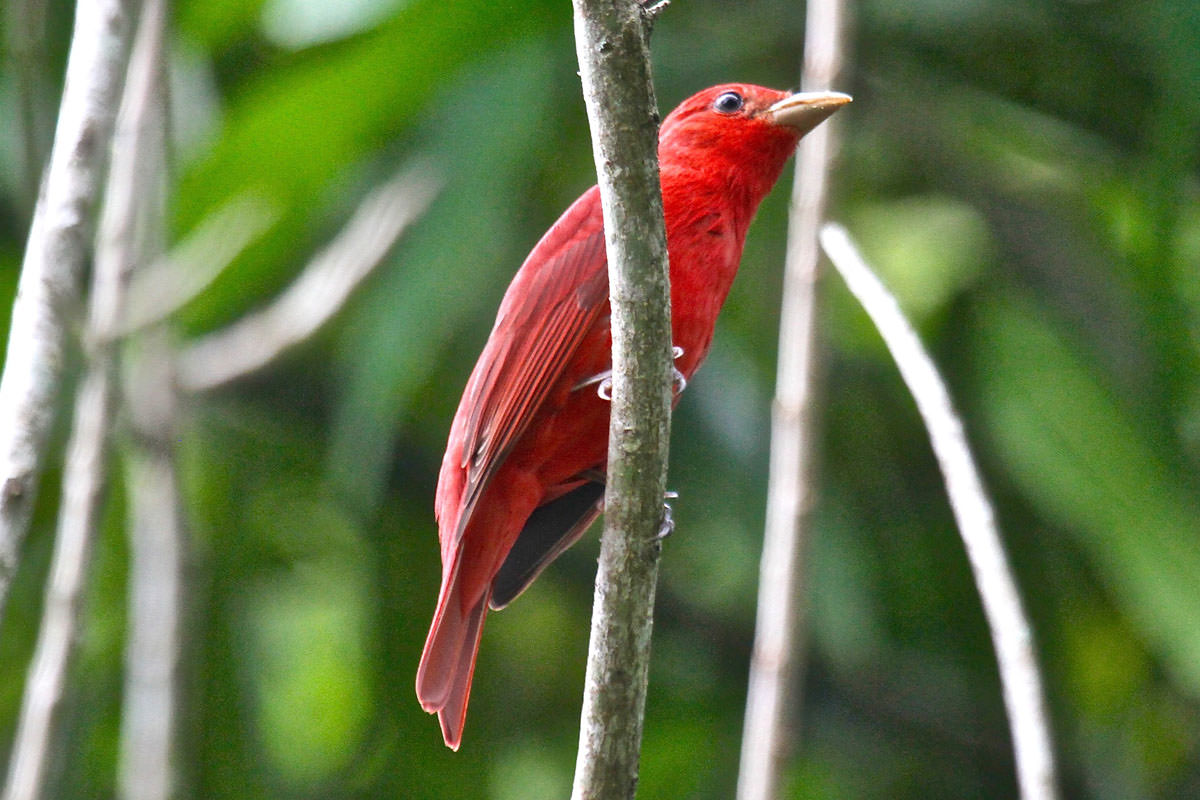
x=1024, y=174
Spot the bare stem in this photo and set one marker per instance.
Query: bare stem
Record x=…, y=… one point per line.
x=156, y=587
x=1011, y=633
x=122, y=239
x=83, y=481
x=156, y=544
x=60, y=239
x=611, y=42
x=773, y=693
x=162, y=288
x=316, y=295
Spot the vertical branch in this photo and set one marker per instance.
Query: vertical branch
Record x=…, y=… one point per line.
x=1010, y=629
x=156, y=545
x=157, y=552
x=83, y=484
x=120, y=237
x=59, y=241
x=611, y=41
x=778, y=637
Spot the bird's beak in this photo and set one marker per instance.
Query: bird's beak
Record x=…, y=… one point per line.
x=804, y=111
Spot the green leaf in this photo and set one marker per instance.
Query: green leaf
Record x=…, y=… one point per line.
x=455, y=263
x=1085, y=463
x=292, y=133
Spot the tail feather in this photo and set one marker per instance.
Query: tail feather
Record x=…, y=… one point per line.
x=453, y=714
x=448, y=661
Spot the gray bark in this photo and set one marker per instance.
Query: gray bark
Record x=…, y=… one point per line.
x=60, y=239
x=611, y=40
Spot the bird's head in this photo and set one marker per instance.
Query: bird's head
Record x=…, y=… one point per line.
x=742, y=127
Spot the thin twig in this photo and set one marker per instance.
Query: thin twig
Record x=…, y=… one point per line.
x=1010, y=629
x=314, y=297
x=126, y=230
x=59, y=242
x=157, y=553
x=773, y=692
x=149, y=708
x=120, y=238
x=178, y=277
x=83, y=484
x=614, y=63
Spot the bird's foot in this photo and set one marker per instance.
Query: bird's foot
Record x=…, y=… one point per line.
x=668, y=521
x=603, y=381
x=680, y=382
x=654, y=7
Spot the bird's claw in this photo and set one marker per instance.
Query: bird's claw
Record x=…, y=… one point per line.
x=654, y=7
x=668, y=521
x=604, y=381
x=680, y=380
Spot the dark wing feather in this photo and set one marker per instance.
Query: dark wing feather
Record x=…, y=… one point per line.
x=550, y=530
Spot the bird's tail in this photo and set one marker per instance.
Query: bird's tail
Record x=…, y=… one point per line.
x=448, y=661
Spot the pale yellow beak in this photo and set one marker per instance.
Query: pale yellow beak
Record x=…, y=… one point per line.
x=804, y=111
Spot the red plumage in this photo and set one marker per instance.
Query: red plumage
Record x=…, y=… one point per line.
x=522, y=474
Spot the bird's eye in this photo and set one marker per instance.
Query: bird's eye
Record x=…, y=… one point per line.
x=729, y=103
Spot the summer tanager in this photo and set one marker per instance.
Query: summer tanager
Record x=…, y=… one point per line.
x=523, y=473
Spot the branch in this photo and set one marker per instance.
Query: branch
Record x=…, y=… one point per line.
x=976, y=521
x=610, y=39
x=59, y=240
x=778, y=637
x=157, y=549
x=83, y=484
x=124, y=234
x=314, y=297
x=156, y=546
x=175, y=279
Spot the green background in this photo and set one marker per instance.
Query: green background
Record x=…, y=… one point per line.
x=1022, y=172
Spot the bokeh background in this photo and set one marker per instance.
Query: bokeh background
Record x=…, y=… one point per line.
x=1024, y=173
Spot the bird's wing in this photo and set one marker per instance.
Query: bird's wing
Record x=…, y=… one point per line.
x=554, y=300
x=549, y=531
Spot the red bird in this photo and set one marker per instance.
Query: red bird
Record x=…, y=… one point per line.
x=523, y=473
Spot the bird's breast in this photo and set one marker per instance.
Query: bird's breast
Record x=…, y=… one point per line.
x=704, y=254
